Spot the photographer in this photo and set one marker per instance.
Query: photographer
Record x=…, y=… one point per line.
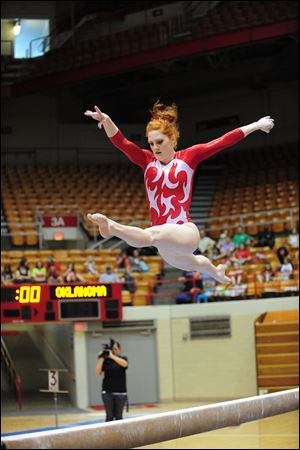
x=114, y=393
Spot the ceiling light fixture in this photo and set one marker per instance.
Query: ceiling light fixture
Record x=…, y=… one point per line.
x=17, y=28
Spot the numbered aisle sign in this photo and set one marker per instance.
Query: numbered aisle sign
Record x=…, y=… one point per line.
x=53, y=381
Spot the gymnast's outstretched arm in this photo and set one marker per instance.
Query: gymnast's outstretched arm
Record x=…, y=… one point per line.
x=103, y=120
x=264, y=124
x=135, y=153
x=199, y=152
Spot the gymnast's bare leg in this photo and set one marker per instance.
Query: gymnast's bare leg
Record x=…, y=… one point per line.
x=175, y=244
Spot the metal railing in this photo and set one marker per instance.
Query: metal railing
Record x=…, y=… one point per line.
x=13, y=374
x=43, y=46
x=58, y=357
x=221, y=292
x=292, y=212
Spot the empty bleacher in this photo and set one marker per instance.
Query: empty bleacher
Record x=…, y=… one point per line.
x=223, y=18
x=259, y=186
x=117, y=193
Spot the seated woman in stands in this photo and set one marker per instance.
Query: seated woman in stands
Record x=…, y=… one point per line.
x=267, y=274
x=53, y=276
x=236, y=274
x=122, y=260
x=38, y=273
x=90, y=266
x=168, y=176
x=7, y=276
x=226, y=247
x=23, y=274
x=286, y=269
x=71, y=275
x=241, y=255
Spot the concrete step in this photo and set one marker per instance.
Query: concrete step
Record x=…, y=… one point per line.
x=200, y=213
x=199, y=209
x=201, y=201
x=202, y=193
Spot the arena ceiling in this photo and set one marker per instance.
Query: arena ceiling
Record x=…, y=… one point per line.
x=252, y=66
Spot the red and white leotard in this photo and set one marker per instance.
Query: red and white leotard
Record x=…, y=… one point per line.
x=169, y=186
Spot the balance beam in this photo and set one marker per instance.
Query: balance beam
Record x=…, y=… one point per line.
x=135, y=432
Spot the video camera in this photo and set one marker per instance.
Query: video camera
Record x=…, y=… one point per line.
x=106, y=349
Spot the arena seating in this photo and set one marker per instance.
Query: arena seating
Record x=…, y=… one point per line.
x=225, y=17
x=93, y=189
x=258, y=183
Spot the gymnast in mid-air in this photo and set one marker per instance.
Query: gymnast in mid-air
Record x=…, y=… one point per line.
x=168, y=178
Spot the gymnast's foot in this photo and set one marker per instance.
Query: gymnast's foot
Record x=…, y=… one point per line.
x=103, y=223
x=222, y=278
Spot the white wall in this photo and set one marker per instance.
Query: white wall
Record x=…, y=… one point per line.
x=199, y=369
x=207, y=369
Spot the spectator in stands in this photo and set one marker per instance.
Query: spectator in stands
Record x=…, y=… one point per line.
x=122, y=260
x=236, y=291
x=226, y=247
x=143, y=265
x=135, y=261
x=227, y=261
x=7, y=275
x=209, y=285
x=293, y=239
x=240, y=237
x=72, y=276
x=213, y=253
x=267, y=274
x=23, y=274
x=192, y=283
x=222, y=239
x=241, y=255
x=109, y=276
x=53, y=276
x=90, y=266
x=236, y=273
x=282, y=252
x=38, y=273
x=258, y=257
x=130, y=281
x=114, y=391
x=265, y=238
x=205, y=242
x=286, y=269
x=172, y=232
x=50, y=262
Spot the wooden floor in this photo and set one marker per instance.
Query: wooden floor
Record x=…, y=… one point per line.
x=278, y=432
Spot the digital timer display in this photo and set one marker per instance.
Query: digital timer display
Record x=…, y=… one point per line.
x=28, y=294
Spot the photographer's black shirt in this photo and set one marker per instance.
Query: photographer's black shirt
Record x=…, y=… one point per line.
x=114, y=376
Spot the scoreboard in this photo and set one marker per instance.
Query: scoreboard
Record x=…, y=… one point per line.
x=63, y=302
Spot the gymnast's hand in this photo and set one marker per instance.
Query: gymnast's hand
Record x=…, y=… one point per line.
x=97, y=115
x=265, y=124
